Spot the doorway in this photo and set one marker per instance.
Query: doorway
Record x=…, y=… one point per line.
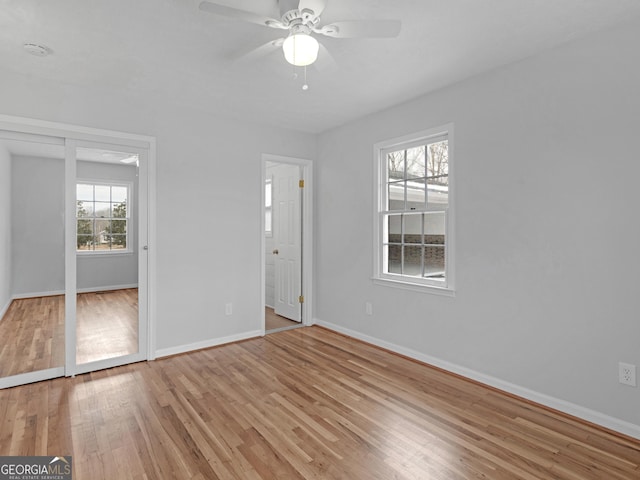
x=287, y=242
x=94, y=228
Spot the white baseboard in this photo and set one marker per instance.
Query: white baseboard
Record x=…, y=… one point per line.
x=107, y=289
x=214, y=342
x=52, y=293
x=5, y=308
x=563, y=406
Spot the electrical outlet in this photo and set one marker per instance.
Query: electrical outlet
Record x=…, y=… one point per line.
x=228, y=309
x=627, y=374
x=368, y=308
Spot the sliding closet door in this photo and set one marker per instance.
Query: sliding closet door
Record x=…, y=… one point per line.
x=32, y=258
x=109, y=247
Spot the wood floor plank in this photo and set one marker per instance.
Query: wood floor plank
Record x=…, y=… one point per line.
x=301, y=404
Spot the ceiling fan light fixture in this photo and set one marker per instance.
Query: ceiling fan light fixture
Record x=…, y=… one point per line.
x=300, y=49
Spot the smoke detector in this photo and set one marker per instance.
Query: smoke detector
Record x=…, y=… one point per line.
x=37, y=50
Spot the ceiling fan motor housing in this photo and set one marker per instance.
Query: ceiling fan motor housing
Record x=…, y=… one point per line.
x=292, y=15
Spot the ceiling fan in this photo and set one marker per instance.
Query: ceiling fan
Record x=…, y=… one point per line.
x=301, y=18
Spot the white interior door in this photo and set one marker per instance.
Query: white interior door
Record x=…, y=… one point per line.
x=287, y=234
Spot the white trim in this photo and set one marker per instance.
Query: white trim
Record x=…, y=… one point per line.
x=379, y=174
x=108, y=288
x=50, y=293
x=70, y=257
x=307, y=235
x=31, y=377
x=53, y=293
x=415, y=287
x=105, y=363
x=214, y=342
x=74, y=135
x=76, y=132
x=5, y=308
x=560, y=405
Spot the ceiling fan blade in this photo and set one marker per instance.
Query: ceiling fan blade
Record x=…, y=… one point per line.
x=361, y=29
x=325, y=61
x=243, y=15
x=252, y=54
x=317, y=6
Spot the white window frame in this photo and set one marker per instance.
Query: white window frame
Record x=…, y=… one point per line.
x=442, y=287
x=128, y=218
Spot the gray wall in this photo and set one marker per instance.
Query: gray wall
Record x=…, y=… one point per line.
x=37, y=204
x=209, y=172
x=546, y=163
x=5, y=229
x=37, y=201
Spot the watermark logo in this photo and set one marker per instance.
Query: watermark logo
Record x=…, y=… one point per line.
x=35, y=468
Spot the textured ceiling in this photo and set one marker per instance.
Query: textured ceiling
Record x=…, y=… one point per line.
x=169, y=49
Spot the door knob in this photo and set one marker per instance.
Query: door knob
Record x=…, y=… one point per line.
x=275, y=252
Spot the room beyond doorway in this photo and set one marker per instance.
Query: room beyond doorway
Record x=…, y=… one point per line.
x=287, y=249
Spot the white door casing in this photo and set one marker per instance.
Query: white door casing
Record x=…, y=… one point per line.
x=287, y=233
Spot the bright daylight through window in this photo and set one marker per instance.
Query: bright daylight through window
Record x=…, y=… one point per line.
x=414, y=212
x=102, y=215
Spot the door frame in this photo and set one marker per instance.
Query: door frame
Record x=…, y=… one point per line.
x=306, y=167
x=76, y=133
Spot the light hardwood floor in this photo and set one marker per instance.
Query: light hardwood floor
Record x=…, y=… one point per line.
x=303, y=403
x=107, y=324
x=274, y=322
x=32, y=335
x=32, y=330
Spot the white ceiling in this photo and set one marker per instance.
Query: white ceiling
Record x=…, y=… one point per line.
x=169, y=49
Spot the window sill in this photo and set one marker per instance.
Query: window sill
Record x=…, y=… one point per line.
x=415, y=287
x=118, y=253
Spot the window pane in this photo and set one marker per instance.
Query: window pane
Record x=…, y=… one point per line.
x=438, y=175
x=103, y=210
x=396, y=196
x=434, y=227
x=412, y=260
x=84, y=209
x=118, y=227
x=119, y=210
x=434, y=260
x=395, y=165
x=118, y=242
x=415, y=163
x=267, y=194
x=84, y=227
x=267, y=221
x=394, y=258
x=416, y=194
x=118, y=194
x=413, y=228
x=103, y=193
x=85, y=242
x=394, y=231
x=84, y=192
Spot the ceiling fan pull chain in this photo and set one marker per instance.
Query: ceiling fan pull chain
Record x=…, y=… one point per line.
x=305, y=87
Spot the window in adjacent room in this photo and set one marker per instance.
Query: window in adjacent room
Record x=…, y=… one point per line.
x=268, y=208
x=414, y=211
x=103, y=217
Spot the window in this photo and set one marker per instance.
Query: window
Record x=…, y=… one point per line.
x=268, y=208
x=413, y=218
x=102, y=217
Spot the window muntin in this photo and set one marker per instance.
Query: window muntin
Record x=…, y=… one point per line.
x=413, y=217
x=103, y=217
